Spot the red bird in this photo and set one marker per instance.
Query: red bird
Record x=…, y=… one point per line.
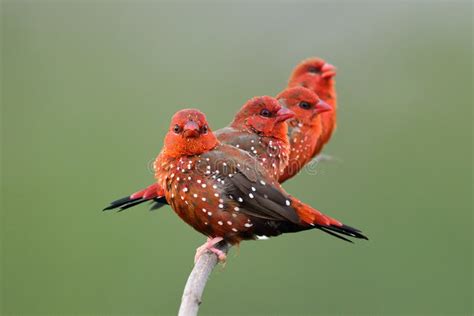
x=224, y=194
x=305, y=129
x=273, y=152
x=318, y=76
x=259, y=128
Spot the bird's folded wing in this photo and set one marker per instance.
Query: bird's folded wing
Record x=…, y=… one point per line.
x=260, y=199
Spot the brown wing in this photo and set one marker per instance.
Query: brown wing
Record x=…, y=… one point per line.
x=261, y=199
x=245, y=181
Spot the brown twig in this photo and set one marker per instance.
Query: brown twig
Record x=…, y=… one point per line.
x=192, y=295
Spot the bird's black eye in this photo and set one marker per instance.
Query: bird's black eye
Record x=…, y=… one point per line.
x=305, y=105
x=314, y=70
x=204, y=129
x=177, y=129
x=265, y=113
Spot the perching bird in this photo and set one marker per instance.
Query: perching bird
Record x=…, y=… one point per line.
x=223, y=193
x=313, y=73
x=305, y=129
x=318, y=76
x=259, y=128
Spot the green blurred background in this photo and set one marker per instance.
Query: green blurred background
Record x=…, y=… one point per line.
x=88, y=88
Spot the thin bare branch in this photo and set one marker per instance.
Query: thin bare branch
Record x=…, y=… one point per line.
x=192, y=295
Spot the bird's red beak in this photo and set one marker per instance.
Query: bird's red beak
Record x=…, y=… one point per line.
x=284, y=114
x=322, y=107
x=328, y=71
x=191, y=129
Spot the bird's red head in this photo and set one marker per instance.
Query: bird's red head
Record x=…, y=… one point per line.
x=304, y=103
x=315, y=67
x=264, y=115
x=189, y=134
x=314, y=74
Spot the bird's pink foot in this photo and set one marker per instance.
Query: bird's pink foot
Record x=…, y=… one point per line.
x=209, y=246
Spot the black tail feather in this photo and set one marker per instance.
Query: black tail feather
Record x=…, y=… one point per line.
x=327, y=231
x=132, y=203
x=127, y=202
x=124, y=203
x=337, y=231
x=158, y=203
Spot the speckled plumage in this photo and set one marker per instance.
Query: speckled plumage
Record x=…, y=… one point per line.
x=221, y=191
x=305, y=129
x=216, y=192
x=264, y=138
x=271, y=153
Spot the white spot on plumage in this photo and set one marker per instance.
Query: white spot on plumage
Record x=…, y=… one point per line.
x=251, y=195
x=229, y=223
x=209, y=213
x=220, y=223
x=288, y=203
x=221, y=206
x=248, y=225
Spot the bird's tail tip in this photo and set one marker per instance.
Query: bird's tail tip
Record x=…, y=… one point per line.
x=151, y=193
x=331, y=226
